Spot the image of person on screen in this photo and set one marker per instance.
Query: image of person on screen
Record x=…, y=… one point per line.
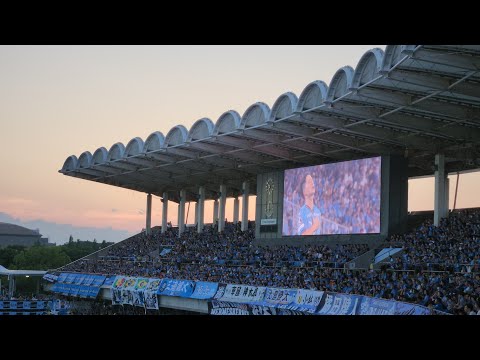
x=309, y=214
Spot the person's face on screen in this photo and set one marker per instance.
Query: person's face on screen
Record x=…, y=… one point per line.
x=309, y=187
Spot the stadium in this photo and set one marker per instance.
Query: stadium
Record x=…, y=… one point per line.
x=329, y=168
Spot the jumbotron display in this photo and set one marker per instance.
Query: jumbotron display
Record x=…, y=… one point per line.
x=339, y=198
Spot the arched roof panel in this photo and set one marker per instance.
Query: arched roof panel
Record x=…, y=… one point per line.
x=285, y=105
x=116, y=152
x=312, y=96
x=176, y=136
x=134, y=147
x=70, y=164
x=155, y=141
x=229, y=121
x=100, y=156
x=256, y=114
x=368, y=67
x=393, y=54
x=340, y=84
x=85, y=160
x=201, y=129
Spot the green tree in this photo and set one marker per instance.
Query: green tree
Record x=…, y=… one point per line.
x=41, y=258
x=7, y=254
x=78, y=249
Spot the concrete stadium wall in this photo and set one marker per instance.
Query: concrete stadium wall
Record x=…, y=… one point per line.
x=171, y=302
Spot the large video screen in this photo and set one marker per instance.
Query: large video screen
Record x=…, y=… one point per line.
x=339, y=198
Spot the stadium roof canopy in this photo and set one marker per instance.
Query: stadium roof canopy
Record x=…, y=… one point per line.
x=411, y=100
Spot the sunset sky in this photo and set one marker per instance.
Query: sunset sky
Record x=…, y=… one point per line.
x=57, y=101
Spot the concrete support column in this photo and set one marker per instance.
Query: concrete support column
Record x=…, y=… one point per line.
x=215, y=211
x=201, y=207
x=439, y=201
x=246, y=190
x=11, y=285
x=447, y=195
x=148, y=227
x=236, y=204
x=223, y=202
x=164, y=212
x=181, y=212
x=195, y=217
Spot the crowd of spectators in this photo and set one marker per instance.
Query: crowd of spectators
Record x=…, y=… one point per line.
x=141, y=255
x=438, y=268
x=452, y=246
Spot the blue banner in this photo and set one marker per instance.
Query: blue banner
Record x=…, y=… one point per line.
x=51, y=277
x=74, y=289
x=339, y=304
x=204, y=290
x=275, y=297
x=402, y=308
x=62, y=277
x=93, y=292
x=98, y=280
x=79, y=279
x=181, y=288
x=69, y=278
x=109, y=280
x=227, y=308
x=306, y=300
x=87, y=280
x=18, y=307
x=374, y=306
x=83, y=291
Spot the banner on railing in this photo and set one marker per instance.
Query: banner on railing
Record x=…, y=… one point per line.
x=227, y=308
x=216, y=307
x=204, y=290
x=109, y=280
x=181, y=288
x=79, y=278
x=402, y=308
x=150, y=293
x=373, y=306
x=151, y=299
x=62, y=277
x=139, y=292
x=33, y=307
x=116, y=296
x=240, y=293
x=275, y=297
x=51, y=277
x=339, y=304
x=81, y=285
x=118, y=281
x=307, y=300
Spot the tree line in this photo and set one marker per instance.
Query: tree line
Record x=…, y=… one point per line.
x=39, y=257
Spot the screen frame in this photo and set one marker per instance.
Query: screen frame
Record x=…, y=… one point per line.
x=356, y=234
